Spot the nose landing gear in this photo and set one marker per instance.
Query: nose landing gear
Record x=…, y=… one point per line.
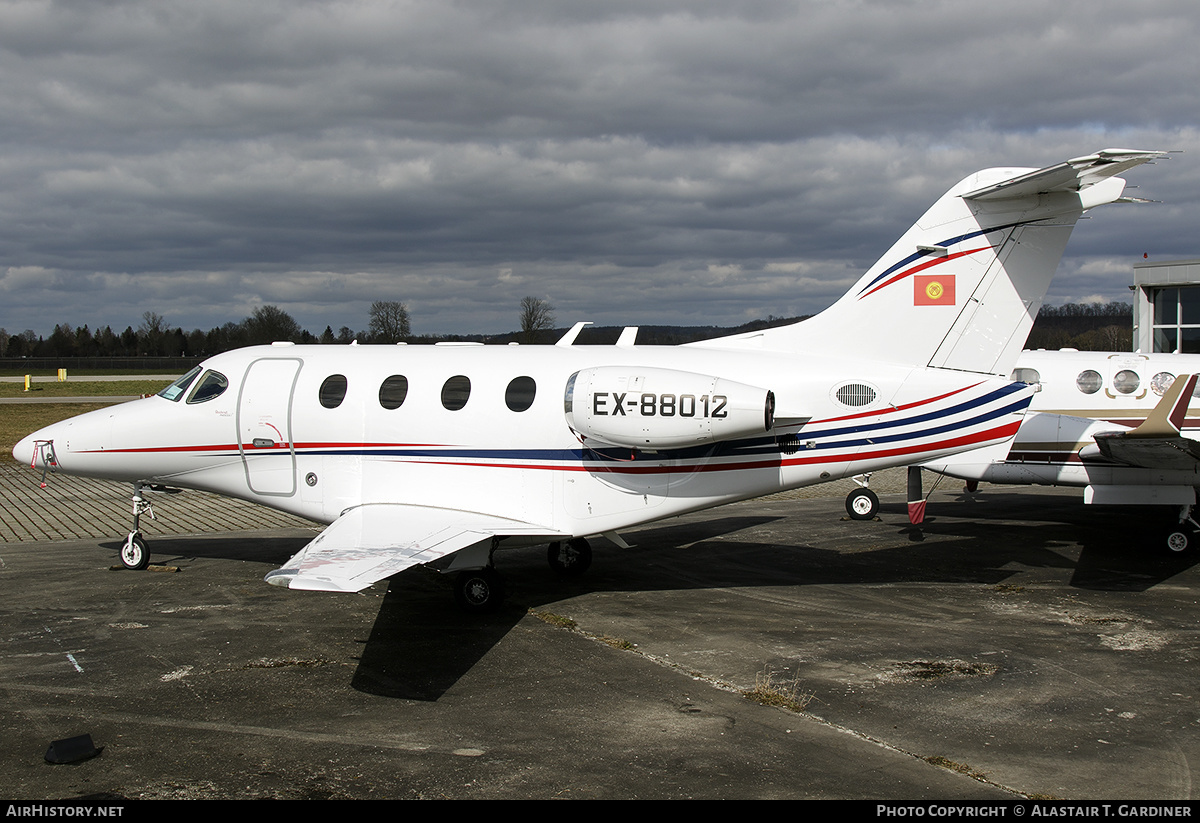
x=135, y=554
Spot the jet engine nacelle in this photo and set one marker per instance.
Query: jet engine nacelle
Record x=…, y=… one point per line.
x=648, y=408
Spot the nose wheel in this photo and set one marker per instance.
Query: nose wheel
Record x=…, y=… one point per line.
x=135, y=554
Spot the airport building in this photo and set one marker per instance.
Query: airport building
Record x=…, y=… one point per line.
x=1166, y=306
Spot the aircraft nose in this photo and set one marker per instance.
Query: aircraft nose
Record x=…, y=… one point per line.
x=23, y=451
x=27, y=450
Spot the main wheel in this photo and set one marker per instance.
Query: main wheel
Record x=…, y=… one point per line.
x=1178, y=541
x=861, y=504
x=134, y=554
x=570, y=559
x=479, y=590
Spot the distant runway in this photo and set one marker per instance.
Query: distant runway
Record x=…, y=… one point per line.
x=101, y=378
x=109, y=399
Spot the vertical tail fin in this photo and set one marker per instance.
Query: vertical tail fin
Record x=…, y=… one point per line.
x=960, y=289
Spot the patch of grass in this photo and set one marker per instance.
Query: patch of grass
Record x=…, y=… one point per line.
x=554, y=619
x=18, y=420
x=785, y=695
x=618, y=643
x=285, y=662
x=83, y=388
x=936, y=669
x=961, y=768
x=571, y=626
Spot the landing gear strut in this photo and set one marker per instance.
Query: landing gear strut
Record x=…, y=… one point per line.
x=1182, y=536
x=135, y=554
x=570, y=560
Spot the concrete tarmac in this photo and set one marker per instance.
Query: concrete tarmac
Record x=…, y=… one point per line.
x=1017, y=645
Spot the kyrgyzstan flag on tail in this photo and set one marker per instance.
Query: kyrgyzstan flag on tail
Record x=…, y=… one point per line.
x=933, y=290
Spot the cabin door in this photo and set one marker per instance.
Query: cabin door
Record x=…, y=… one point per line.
x=264, y=423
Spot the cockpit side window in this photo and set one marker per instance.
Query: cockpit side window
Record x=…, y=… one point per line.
x=177, y=389
x=213, y=384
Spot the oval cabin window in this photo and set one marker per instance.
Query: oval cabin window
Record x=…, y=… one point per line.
x=393, y=391
x=333, y=391
x=456, y=392
x=520, y=393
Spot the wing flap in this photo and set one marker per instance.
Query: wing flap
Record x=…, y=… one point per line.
x=1150, y=452
x=1157, y=442
x=374, y=541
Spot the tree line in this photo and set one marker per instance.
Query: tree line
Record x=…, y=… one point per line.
x=389, y=323
x=1084, y=326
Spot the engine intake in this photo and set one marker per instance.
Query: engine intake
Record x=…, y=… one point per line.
x=653, y=408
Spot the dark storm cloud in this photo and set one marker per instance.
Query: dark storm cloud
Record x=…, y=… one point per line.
x=629, y=161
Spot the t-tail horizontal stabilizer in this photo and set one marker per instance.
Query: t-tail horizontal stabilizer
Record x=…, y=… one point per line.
x=960, y=289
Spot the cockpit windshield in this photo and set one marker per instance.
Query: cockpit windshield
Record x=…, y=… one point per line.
x=213, y=384
x=177, y=389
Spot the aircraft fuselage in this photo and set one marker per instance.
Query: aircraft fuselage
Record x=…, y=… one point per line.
x=316, y=430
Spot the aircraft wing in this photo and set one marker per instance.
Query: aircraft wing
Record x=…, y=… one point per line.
x=1158, y=453
x=1157, y=443
x=377, y=540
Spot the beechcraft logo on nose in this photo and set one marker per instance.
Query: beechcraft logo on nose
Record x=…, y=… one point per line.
x=933, y=290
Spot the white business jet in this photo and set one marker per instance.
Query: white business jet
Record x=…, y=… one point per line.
x=442, y=454
x=1117, y=425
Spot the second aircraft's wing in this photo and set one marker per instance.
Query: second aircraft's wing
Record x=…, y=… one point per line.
x=1157, y=443
x=377, y=540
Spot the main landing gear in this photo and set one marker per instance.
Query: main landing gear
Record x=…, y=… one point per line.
x=862, y=503
x=481, y=590
x=1181, y=537
x=569, y=559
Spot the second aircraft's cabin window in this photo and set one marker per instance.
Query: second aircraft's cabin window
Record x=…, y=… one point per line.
x=455, y=392
x=177, y=389
x=1089, y=382
x=392, y=391
x=1160, y=382
x=1126, y=381
x=519, y=394
x=333, y=391
x=1026, y=375
x=212, y=384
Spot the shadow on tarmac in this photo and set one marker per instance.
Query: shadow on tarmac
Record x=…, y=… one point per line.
x=421, y=643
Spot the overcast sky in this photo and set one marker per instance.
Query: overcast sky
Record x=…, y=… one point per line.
x=630, y=161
